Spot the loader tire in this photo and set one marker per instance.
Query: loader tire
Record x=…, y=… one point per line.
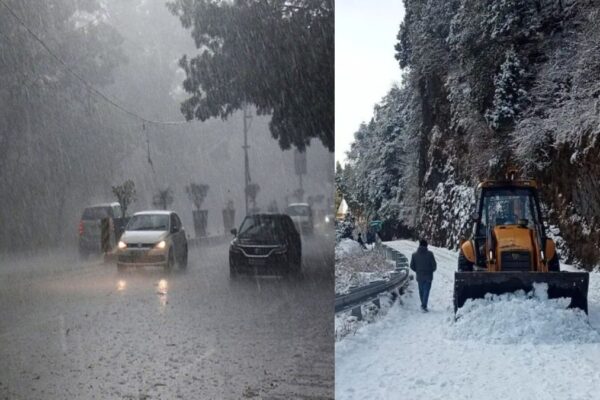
x=464, y=265
x=554, y=264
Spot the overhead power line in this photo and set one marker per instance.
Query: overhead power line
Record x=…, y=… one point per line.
x=81, y=79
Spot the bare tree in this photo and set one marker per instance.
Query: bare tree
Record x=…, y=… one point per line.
x=197, y=193
x=163, y=198
x=125, y=194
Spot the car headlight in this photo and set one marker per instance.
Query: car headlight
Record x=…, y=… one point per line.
x=121, y=245
x=233, y=246
x=161, y=245
x=327, y=219
x=281, y=249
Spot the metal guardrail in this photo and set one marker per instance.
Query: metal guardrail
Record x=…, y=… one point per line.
x=363, y=294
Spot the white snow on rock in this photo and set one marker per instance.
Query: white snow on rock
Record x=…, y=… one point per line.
x=503, y=347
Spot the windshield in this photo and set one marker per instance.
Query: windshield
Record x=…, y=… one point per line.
x=261, y=228
x=506, y=207
x=298, y=211
x=148, y=222
x=95, y=213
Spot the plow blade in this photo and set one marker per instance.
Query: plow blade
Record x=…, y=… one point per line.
x=473, y=285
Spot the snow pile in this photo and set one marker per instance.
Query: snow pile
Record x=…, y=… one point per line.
x=346, y=324
x=522, y=318
x=347, y=248
x=355, y=266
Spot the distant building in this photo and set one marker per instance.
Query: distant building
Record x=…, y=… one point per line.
x=342, y=210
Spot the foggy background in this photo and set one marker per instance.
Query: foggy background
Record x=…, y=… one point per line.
x=63, y=147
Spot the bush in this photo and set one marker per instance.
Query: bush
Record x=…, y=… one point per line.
x=345, y=228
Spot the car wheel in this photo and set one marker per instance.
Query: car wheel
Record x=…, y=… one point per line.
x=295, y=263
x=170, y=261
x=184, y=258
x=233, y=271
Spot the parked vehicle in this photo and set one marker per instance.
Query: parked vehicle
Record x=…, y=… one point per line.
x=90, y=229
x=302, y=215
x=266, y=243
x=153, y=238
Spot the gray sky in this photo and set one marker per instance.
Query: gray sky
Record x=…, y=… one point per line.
x=365, y=67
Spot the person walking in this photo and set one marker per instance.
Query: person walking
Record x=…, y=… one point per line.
x=360, y=241
x=423, y=263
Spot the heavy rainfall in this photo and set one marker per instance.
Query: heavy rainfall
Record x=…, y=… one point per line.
x=167, y=199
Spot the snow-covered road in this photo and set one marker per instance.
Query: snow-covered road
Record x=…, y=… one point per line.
x=411, y=355
x=86, y=332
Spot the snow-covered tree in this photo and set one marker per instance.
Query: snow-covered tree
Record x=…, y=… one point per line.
x=510, y=98
x=344, y=228
x=488, y=83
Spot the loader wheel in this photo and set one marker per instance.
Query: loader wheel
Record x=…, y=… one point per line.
x=464, y=265
x=554, y=264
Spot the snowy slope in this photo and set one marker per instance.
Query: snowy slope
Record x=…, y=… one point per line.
x=549, y=353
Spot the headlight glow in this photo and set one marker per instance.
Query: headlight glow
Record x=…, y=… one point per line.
x=161, y=245
x=122, y=245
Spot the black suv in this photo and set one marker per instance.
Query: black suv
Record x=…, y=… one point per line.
x=266, y=243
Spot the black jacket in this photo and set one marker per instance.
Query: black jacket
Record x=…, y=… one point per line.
x=423, y=263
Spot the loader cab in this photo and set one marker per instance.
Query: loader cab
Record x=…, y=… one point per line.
x=505, y=206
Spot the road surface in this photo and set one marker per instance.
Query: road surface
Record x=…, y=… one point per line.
x=517, y=349
x=71, y=330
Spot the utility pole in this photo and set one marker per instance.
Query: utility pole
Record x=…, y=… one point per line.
x=300, y=167
x=247, y=116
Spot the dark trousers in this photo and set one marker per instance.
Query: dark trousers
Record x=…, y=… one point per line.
x=424, y=288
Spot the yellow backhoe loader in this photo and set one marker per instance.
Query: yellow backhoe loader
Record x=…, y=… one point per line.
x=509, y=249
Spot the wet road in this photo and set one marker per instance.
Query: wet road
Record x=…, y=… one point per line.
x=83, y=331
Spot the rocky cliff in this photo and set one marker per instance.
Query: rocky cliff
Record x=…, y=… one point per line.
x=489, y=84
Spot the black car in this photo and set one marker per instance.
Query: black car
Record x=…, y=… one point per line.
x=266, y=243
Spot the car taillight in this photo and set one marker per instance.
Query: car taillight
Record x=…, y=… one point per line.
x=81, y=227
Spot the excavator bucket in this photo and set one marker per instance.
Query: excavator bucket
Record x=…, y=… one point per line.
x=473, y=285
